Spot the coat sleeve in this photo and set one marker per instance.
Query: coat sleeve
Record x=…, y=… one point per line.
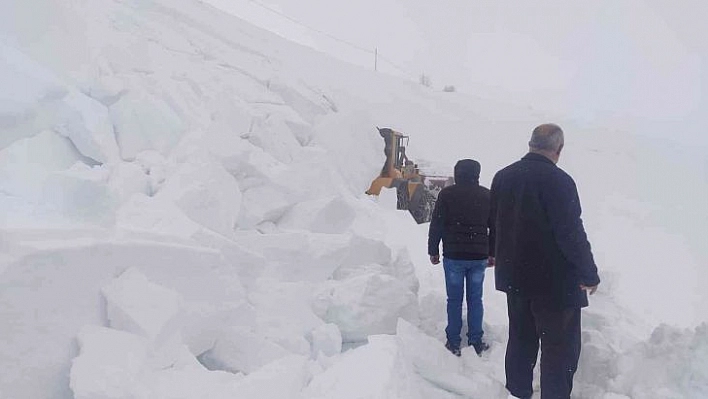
x=493, y=217
x=563, y=209
x=437, y=224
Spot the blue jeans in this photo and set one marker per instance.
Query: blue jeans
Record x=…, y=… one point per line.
x=456, y=272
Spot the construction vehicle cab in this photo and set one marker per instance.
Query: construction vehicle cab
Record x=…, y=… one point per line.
x=415, y=191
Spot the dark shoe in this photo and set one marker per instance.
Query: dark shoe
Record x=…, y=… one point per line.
x=455, y=350
x=479, y=347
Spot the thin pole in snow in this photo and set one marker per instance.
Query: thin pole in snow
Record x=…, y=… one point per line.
x=376, y=58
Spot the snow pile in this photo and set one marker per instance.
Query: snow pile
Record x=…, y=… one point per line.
x=182, y=195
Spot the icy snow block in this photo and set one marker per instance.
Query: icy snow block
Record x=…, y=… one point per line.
x=299, y=256
x=206, y=193
x=30, y=96
x=262, y=204
x=127, y=179
x=239, y=349
x=89, y=127
x=272, y=132
x=330, y=216
x=141, y=307
x=248, y=264
x=365, y=255
x=82, y=193
x=145, y=122
x=377, y=370
x=366, y=305
x=27, y=163
x=673, y=363
x=155, y=215
x=364, y=251
x=109, y=364
x=326, y=339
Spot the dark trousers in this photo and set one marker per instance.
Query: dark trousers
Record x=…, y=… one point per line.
x=558, y=330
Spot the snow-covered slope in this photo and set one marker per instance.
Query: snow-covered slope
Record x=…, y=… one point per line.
x=182, y=216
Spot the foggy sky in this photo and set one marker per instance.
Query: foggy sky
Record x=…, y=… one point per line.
x=630, y=64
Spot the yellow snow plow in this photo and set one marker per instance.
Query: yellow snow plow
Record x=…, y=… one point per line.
x=415, y=191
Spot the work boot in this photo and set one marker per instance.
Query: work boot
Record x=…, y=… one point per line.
x=479, y=347
x=455, y=350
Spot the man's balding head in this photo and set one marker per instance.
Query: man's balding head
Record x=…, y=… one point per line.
x=547, y=140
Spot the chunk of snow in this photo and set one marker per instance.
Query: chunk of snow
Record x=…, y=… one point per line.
x=673, y=363
x=26, y=164
x=89, y=127
x=366, y=305
x=433, y=362
x=239, y=349
x=272, y=133
x=110, y=363
x=262, y=204
x=212, y=299
x=156, y=215
x=136, y=305
x=29, y=98
x=127, y=179
x=82, y=193
x=299, y=256
x=329, y=215
x=249, y=265
x=376, y=370
x=365, y=255
x=206, y=193
x=144, y=122
x=326, y=339
x=117, y=364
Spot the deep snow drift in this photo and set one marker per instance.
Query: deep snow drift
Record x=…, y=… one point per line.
x=182, y=216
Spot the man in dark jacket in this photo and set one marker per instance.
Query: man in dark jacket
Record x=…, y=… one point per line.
x=543, y=263
x=461, y=220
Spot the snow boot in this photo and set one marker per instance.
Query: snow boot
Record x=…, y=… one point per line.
x=479, y=347
x=455, y=350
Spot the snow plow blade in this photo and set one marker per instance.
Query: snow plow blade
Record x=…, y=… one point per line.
x=415, y=191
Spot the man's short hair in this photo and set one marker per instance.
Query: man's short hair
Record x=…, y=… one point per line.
x=548, y=137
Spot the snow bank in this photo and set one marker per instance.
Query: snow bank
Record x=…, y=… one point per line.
x=117, y=364
x=673, y=363
x=40, y=330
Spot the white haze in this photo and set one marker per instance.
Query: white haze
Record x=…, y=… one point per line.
x=633, y=65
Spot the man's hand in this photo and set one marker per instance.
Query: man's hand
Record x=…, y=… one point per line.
x=589, y=290
x=435, y=259
x=491, y=262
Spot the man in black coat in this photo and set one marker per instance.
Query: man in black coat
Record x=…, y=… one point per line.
x=461, y=220
x=543, y=263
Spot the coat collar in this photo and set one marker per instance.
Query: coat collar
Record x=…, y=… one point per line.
x=531, y=156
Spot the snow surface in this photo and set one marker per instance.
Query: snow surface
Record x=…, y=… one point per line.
x=182, y=216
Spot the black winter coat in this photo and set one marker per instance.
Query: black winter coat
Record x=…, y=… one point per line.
x=461, y=220
x=539, y=242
